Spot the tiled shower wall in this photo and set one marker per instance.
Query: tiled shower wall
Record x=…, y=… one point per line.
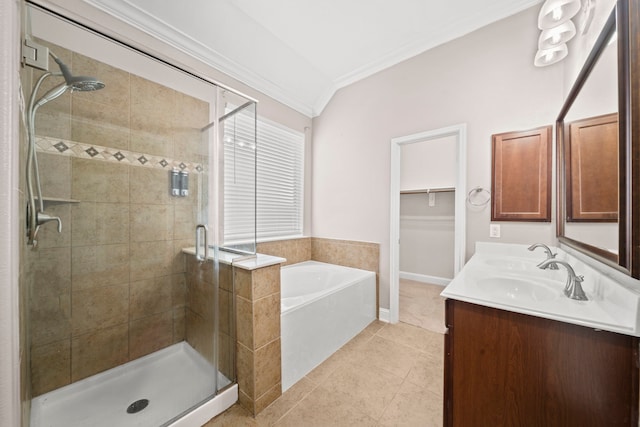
x=111, y=287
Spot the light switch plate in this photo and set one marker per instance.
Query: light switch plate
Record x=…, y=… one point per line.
x=494, y=230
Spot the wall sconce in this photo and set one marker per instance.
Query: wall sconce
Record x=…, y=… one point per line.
x=550, y=56
x=557, y=28
x=556, y=12
x=556, y=36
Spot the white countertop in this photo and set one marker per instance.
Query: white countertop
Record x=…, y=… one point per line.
x=506, y=276
x=246, y=262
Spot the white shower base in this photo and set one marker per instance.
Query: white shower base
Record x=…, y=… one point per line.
x=173, y=379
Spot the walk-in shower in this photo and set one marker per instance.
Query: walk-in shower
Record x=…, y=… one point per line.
x=35, y=213
x=120, y=327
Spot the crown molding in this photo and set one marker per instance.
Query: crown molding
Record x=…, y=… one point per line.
x=323, y=100
x=137, y=18
x=420, y=45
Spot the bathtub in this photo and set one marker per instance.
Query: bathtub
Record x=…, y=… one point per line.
x=323, y=306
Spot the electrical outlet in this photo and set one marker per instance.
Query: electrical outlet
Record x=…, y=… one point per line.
x=494, y=230
x=432, y=199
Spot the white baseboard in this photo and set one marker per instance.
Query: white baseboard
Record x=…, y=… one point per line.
x=383, y=315
x=442, y=281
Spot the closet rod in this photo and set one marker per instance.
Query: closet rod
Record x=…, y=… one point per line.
x=428, y=190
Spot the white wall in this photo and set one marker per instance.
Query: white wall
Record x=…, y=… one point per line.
x=485, y=79
x=428, y=164
x=9, y=217
x=427, y=235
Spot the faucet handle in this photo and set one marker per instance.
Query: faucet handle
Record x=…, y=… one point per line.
x=548, y=266
x=43, y=218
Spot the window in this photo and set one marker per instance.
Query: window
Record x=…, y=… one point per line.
x=279, y=174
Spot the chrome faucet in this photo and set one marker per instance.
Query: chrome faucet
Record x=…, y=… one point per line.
x=573, y=289
x=550, y=255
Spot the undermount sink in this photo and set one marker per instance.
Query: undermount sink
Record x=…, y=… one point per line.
x=510, y=264
x=518, y=289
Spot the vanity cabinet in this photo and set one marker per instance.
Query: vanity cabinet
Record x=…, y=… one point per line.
x=509, y=369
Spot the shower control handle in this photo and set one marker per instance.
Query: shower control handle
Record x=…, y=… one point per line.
x=43, y=218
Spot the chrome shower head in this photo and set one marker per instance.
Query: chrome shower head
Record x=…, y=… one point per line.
x=85, y=84
x=79, y=83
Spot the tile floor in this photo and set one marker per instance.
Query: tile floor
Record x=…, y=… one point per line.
x=388, y=375
x=422, y=305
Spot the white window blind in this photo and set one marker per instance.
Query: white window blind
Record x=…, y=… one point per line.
x=279, y=172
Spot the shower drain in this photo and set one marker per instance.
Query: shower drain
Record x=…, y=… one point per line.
x=137, y=406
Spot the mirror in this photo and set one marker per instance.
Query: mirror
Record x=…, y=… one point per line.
x=596, y=159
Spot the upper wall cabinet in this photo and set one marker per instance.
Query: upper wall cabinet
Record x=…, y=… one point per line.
x=521, y=175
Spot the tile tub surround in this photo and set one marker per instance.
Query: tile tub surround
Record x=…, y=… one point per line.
x=293, y=250
x=348, y=253
x=111, y=287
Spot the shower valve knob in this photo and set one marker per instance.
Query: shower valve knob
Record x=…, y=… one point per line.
x=44, y=218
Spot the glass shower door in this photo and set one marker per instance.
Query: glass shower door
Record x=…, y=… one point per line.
x=122, y=323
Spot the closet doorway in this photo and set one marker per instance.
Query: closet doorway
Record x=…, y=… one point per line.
x=428, y=193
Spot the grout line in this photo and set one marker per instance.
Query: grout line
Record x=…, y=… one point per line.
x=295, y=405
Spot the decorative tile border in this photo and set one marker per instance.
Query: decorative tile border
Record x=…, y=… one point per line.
x=87, y=151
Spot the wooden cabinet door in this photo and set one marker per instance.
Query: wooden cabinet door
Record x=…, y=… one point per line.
x=591, y=167
x=521, y=176
x=510, y=369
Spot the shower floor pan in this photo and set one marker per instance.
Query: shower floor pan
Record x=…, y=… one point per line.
x=173, y=380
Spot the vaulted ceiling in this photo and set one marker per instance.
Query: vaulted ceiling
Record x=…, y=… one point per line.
x=301, y=52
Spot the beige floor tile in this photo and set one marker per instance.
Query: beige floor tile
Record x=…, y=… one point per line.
x=320, y=374
x=413, y=288
x=421, y=305
x=395, y=358
x=359, y=341
x=412, y=336
x=367, y=388
x=428, y=373
x=388, y=375
x=236, y=416
x=375, y=326
x=286, y=402
x=322, y=408
x=413, y=406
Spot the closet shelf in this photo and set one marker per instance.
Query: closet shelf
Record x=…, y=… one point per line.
x=428, y=190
